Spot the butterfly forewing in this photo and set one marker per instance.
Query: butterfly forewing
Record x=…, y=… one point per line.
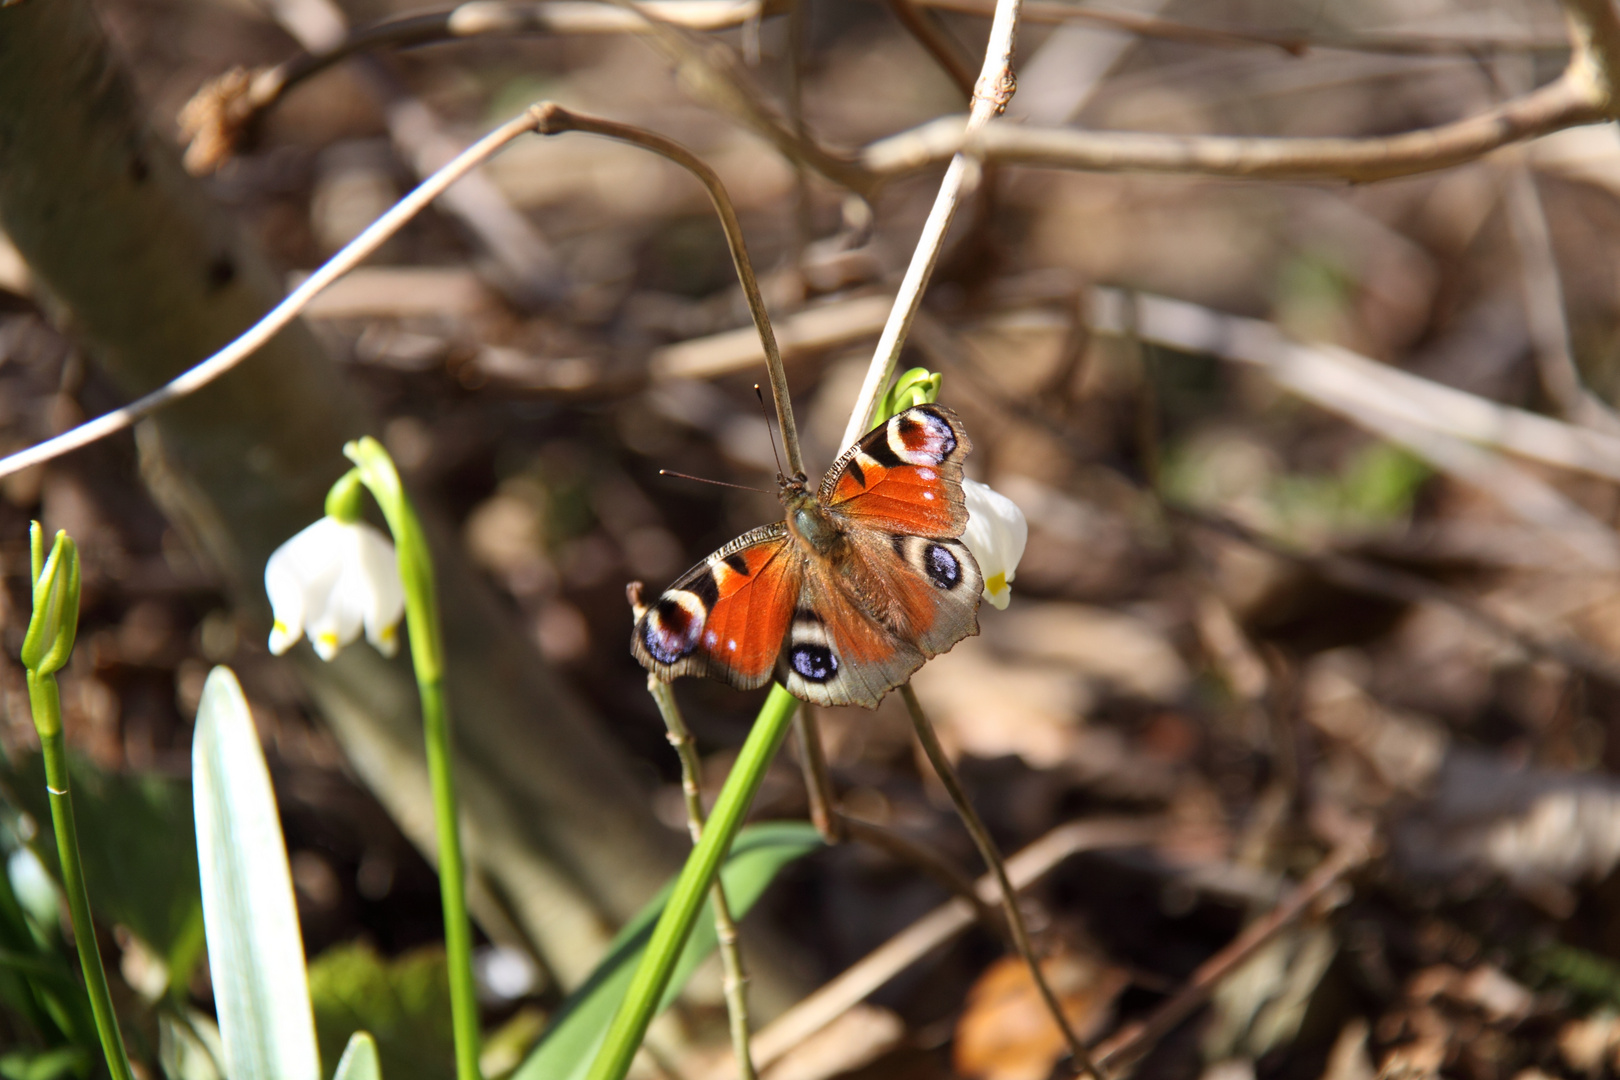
x=727, y=616
x=905, y=475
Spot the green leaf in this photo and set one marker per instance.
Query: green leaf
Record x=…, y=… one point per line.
x=359, y=1061
x=404, y=1004
x=255, y=953
x=568, y=1046
x=136, y=843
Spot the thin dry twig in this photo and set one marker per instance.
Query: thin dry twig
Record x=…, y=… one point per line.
x=354, y=253
x=224, y=109
x=990, y=96
x=1583, y=94
x=1009, y=899
x=714, y=74
x=1567, y=102
x=835, y=826
x=545, y=118
x=922, y=25
x=1137, y=1038
x=871, y=972
x=1330, y=376
x=552, y=119
x=517, y=259
x=1295, y=44
x=1544, y=306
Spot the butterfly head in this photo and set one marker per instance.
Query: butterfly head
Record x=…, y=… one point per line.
x=807, y=517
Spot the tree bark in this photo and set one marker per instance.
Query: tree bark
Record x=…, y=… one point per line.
x=151, y=277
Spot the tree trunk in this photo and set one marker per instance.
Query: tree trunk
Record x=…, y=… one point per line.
x=151, y=276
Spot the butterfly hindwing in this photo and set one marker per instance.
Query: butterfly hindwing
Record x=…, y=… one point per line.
x=835, y=653
x=863, y=626
x=726, y=617
x=940, y=589
x=905, y=475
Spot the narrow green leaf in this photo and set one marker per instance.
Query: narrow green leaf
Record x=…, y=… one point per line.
x=566, y=1050
x=359, y=1060
x=255, y=953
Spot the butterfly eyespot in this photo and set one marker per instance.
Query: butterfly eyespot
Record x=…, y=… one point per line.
x=814, y=663
x=942, y=567
x=919, y=437
x=673, y=626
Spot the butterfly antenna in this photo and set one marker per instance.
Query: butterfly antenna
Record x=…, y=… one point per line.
x=706, y=480
x=769, y=430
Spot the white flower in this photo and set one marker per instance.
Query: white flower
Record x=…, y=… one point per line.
x=329, y=581
x=996, y=534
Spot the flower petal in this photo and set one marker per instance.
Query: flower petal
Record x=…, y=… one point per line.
x=996, y=534
x=328, y=582
x=378, y=564
x=296, y=578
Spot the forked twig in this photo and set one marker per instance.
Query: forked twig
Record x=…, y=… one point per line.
x=545, y=118
x=992, y=857
x=1584, y=94
x=1293, y=43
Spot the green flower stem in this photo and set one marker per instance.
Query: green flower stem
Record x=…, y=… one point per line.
x=376, y=470
x=46, y=704
x=686, y=900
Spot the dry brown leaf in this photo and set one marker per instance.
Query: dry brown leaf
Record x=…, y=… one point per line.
x=1006, y=1033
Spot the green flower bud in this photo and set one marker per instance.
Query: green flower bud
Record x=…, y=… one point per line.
x=55, y=620
x=919, y=386
x=345, y=501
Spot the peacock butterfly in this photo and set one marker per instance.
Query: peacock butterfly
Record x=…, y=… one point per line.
x=846, y=598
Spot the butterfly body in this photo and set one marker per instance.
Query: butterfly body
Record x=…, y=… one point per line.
x=861, y=582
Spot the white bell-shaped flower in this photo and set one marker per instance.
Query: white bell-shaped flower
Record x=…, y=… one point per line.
x=996, y=535
x=329, y=581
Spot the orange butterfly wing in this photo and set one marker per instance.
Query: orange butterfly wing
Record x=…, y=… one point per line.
x=904, y=476
x=727, y=616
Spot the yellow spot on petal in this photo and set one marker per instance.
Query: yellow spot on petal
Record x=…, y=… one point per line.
x=326, y=645
x=388, y=640
x=997, y=591
x=281, y=638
